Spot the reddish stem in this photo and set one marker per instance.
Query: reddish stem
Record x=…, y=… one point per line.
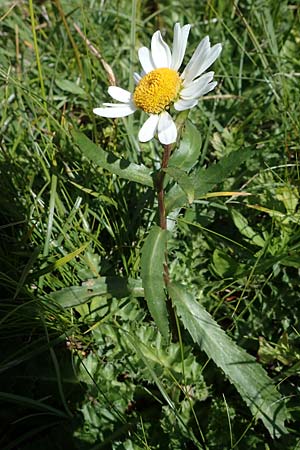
x=163, y=225
x=160, y=187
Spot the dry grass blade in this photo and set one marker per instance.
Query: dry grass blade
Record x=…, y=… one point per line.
x=106, y=66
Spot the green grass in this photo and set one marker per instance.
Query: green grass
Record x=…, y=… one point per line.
x=98, y=375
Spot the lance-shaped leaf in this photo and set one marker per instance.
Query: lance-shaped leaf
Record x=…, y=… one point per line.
x=249, y=378
x=188, y=152
x=152, y=266
x=185, y=181
x=110, y=286
x=206, y=179
x=120, y=166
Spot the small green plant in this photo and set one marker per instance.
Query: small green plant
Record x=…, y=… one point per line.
x=177, y=183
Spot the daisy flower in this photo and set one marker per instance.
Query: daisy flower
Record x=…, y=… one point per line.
x=160, y=84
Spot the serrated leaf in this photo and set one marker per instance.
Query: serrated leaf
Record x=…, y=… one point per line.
x=138, y=348
x=249, y=378
x=188, y=152
x=112, y=286
x=185, y=181
x=69, y=86
x=152, y=266
x=206, y=179
x=121, y=167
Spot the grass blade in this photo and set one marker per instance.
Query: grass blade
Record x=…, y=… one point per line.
x=21, y=400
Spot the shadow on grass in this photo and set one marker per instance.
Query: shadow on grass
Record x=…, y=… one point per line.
x=39, y=393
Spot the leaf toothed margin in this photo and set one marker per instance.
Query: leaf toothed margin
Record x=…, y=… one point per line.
x=249, y=378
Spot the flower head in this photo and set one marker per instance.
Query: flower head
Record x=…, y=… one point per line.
x=160, y=85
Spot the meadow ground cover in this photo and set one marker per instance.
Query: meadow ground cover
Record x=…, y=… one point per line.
x=131, y=320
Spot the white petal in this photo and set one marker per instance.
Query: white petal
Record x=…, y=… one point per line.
x=207, y=88
x=167, y=131
x=146, y=59
x=199, y=54
x=160, y=51
x=192, y=88
x=202, y=62
x=182, y=105
x=119, y=94
x=117, y=105
x=214, y=53
x=115, y=110
x=179, y=45
x=148, y=130
x=202, y=91
x=137, y=77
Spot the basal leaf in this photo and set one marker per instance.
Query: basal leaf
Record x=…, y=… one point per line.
x=112, y=286
x=249, y=378
x=121, y=167
x=143, y=352
x=152, y=266
x=188, y=152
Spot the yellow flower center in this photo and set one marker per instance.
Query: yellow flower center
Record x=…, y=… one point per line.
x=156, y=90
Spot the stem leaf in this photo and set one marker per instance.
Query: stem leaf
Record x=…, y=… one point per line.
x=152, y=266
x=206, y=179
x=249, y=378
x=120, y=166
x=184, y=180
x=188, y=152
